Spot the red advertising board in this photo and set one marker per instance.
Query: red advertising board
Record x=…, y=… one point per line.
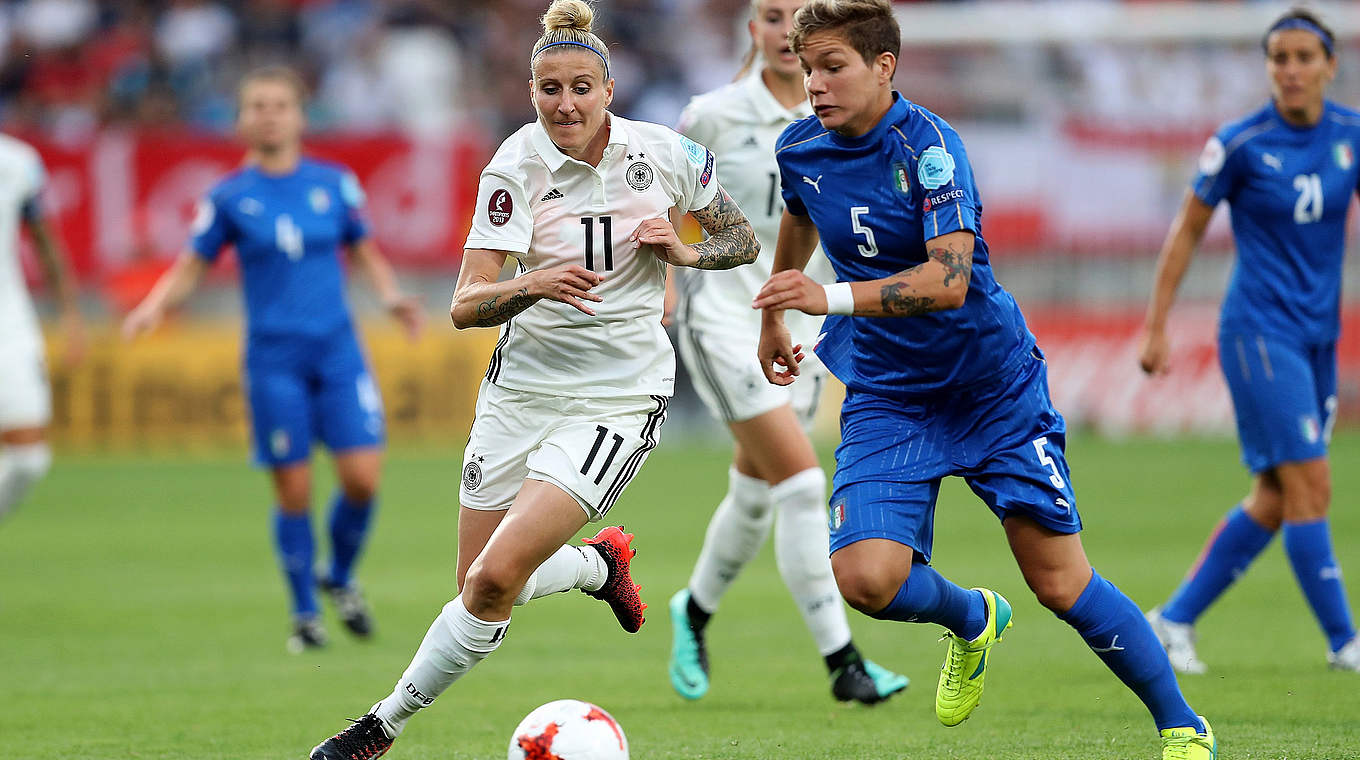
x=123, y=196
x=1095, y=379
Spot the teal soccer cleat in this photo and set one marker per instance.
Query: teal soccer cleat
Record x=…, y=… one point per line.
x=689, y=658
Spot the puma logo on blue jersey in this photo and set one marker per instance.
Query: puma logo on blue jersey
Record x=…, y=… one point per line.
x=814, y=183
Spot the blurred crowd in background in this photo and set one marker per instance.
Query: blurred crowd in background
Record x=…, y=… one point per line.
x=426, y=66
x=419, y=66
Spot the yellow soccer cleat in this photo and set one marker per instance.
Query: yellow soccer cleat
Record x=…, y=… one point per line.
x=965, y=665
x=1187, y=744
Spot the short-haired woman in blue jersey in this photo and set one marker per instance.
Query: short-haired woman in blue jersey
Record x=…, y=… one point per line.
x=1288, y=172
x=305, y=375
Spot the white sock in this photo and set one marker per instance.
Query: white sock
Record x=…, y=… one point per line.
x=456, y=641
x=568, y=568
x=735, y=534
x=21, y=466
x=801, y=551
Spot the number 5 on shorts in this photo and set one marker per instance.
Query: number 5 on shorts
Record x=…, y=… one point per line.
x=590, y=458
x=1044, y=459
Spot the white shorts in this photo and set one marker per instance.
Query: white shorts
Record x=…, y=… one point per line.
x=727, y=376
x=25, y=400
x=589, y=447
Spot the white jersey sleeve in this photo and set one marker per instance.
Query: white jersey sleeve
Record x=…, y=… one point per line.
x=693, y=172
x=502, y=220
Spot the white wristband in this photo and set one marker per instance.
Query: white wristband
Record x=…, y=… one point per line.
x=840, y=299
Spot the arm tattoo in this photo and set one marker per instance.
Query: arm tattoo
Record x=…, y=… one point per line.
x=731, y=241
x=898, y=300
x=901, y=299
x=957, y=262
x=493, y=311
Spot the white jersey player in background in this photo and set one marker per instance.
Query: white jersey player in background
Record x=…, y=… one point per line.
x=775, y=478
x=25, y=401
x=576, y=390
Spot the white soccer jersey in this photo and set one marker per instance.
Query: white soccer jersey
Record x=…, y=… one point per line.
x=740, y=123
x=21, y=179
x=547, y=209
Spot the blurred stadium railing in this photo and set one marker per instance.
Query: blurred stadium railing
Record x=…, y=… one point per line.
x=1082, y=120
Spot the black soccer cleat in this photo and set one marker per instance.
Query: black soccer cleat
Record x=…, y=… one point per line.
x=350, y=606
x=865, y=682
x=308, y=633
x=364, y=739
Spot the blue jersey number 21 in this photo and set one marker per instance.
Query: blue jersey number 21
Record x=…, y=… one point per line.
x=1308, y=208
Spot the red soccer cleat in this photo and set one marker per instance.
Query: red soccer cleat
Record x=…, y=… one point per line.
x=618, y=589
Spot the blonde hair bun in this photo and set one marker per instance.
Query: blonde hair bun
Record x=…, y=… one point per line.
x=568, y=14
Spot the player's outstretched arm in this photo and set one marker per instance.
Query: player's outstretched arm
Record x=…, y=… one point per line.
x=938, y=284
x=1187, y=230
x=169, y=291
x=405, y=309
x=479, y=300
x=778, y=356
x=57, y=269
x=731, y=242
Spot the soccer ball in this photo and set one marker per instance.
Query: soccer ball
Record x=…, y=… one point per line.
x=568, y=729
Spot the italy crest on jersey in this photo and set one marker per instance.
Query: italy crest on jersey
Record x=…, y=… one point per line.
x=901, y=179
x=1343, y=154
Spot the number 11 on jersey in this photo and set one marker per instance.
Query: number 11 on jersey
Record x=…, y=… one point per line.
x=607, y=223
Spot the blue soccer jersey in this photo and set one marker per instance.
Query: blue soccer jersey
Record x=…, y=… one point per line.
x=875, y=201
x=1288, y=189
x=287, y=230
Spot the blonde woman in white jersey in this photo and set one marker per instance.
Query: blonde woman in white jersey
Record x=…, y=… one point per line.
x=775, y=478
x=25, y=401
x=576, y=390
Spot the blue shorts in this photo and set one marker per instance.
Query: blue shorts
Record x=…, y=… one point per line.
x=1004, y=439
x=301, y=387
x=1284, y=397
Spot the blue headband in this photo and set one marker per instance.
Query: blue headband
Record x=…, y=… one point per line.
x=1307, y=26
x=578, y=44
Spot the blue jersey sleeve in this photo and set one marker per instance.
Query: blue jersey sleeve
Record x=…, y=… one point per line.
x=1216, y=175
x=949, y=195
x=212, y=228
x=787, y=177
x=352, y=195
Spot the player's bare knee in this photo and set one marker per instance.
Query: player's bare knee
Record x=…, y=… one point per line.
x=867, y=589
x=1057, y=591
x=491, y=583
x=360, y=490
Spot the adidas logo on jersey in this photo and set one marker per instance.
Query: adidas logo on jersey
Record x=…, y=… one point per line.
x=750, y=142
x=551, y=195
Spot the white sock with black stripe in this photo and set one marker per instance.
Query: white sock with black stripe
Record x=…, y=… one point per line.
x=457, y=640
x=568, y=568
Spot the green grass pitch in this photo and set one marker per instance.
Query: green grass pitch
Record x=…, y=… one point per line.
x=141, y=616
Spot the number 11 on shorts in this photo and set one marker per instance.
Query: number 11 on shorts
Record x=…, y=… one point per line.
x=1044, y=459
x=590, y=458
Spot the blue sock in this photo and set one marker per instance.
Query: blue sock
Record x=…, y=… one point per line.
x=1115, y=629
x=1309, y=546
x=928, y=597
x=349, y=528
x=293, y=539
x=1230, y=549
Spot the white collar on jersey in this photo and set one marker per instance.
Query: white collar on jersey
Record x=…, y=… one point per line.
x=554, y=158
x=767, y=108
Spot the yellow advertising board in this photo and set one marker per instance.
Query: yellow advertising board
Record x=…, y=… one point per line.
x=181, y=387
